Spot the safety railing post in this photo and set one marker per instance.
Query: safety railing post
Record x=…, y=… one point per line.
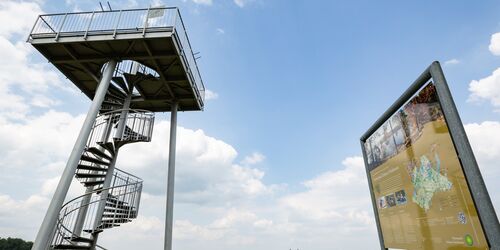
x=146, y=22
x=88, y=26
x=60, y=28
x=117, y=23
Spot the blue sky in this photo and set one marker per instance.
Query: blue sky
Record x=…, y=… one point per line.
x=308, y=78
x=296, y=84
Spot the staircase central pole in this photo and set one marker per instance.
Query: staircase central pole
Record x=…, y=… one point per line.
x=171, y=177
x=43, y=238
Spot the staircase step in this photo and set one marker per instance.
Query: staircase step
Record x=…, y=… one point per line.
x=112, y=205
x=87, y=175
x=115, y=221
x=114, y=104
x=121, y=82
x=99, y=153
x=106, y=226
x=111, y=97
x=79, y=239
x=92, y=183
x=118, y=216
x=67, y=246
x=90, y=231
x=109, y=146
x=93, y=160
x=92, y=168
x=115, y=91
x=118, y=210
x=114, y=200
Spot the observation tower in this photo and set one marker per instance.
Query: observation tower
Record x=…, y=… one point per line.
x=130, y=64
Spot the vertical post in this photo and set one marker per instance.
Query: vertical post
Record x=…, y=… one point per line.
x=43, y=237
x=88, y=26
x=123, y=117
x=60, y=28
x=482, y=200
x=171, y=177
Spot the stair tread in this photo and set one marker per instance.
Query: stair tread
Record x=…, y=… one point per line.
x=118, y=216
x=111, y=103
x=94, y=160
x=113, y=90
x=121, y=83
x=92, y=231
x=108, y=146
x=98, y=152
x=111, y=96
x=114, y=200
x=112, y=206
x=68, y=246
x=116, y=220
x=79, y=239
x=89, y=175
x=93, y=168
x=92, y=183
x=118, y=210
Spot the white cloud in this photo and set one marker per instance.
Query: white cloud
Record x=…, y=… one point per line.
x=203, y=2
x=487, y=89
x=186, y=230
x=485, y=141
x=210, y=95
x=452, y=62
x=252, y=159
x=495, y=44
x=321, y=200
x=23, y=83
x=220, y=31
x=22, y=14
x=240, y=3
x=206, y=170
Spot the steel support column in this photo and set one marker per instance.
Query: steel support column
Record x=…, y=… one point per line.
x=44, y=235
x=171, y=178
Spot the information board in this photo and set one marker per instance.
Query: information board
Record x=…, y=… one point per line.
x=422, y=197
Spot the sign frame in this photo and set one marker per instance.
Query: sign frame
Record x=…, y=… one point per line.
x=479, y=193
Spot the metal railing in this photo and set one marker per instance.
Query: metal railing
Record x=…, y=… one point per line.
x=138, y=127
x=122, y=203
x=189, y=58
x=85, y=24
x=133, y=67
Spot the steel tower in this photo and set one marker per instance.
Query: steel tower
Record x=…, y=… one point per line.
x=130, y=63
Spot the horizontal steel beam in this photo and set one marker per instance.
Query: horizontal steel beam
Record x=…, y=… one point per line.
x=83, y=59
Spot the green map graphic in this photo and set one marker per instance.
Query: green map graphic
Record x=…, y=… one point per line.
x=427, y=181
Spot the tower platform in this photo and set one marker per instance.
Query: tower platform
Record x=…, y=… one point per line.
x=79, y=44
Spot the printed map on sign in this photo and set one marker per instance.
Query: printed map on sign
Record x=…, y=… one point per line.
x=428, y=180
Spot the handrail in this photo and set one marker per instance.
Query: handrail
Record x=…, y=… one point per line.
x=142, y=130
x=127, y=173
x=125, y=190
x=98, y=191
x=110, y=11
x=65, y=234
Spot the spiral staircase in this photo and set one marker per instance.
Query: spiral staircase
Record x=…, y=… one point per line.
x=112, y=195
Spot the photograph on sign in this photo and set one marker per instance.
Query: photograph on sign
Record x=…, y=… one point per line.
x=422, y=197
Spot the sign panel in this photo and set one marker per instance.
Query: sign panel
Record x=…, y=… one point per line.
x=422, y=196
